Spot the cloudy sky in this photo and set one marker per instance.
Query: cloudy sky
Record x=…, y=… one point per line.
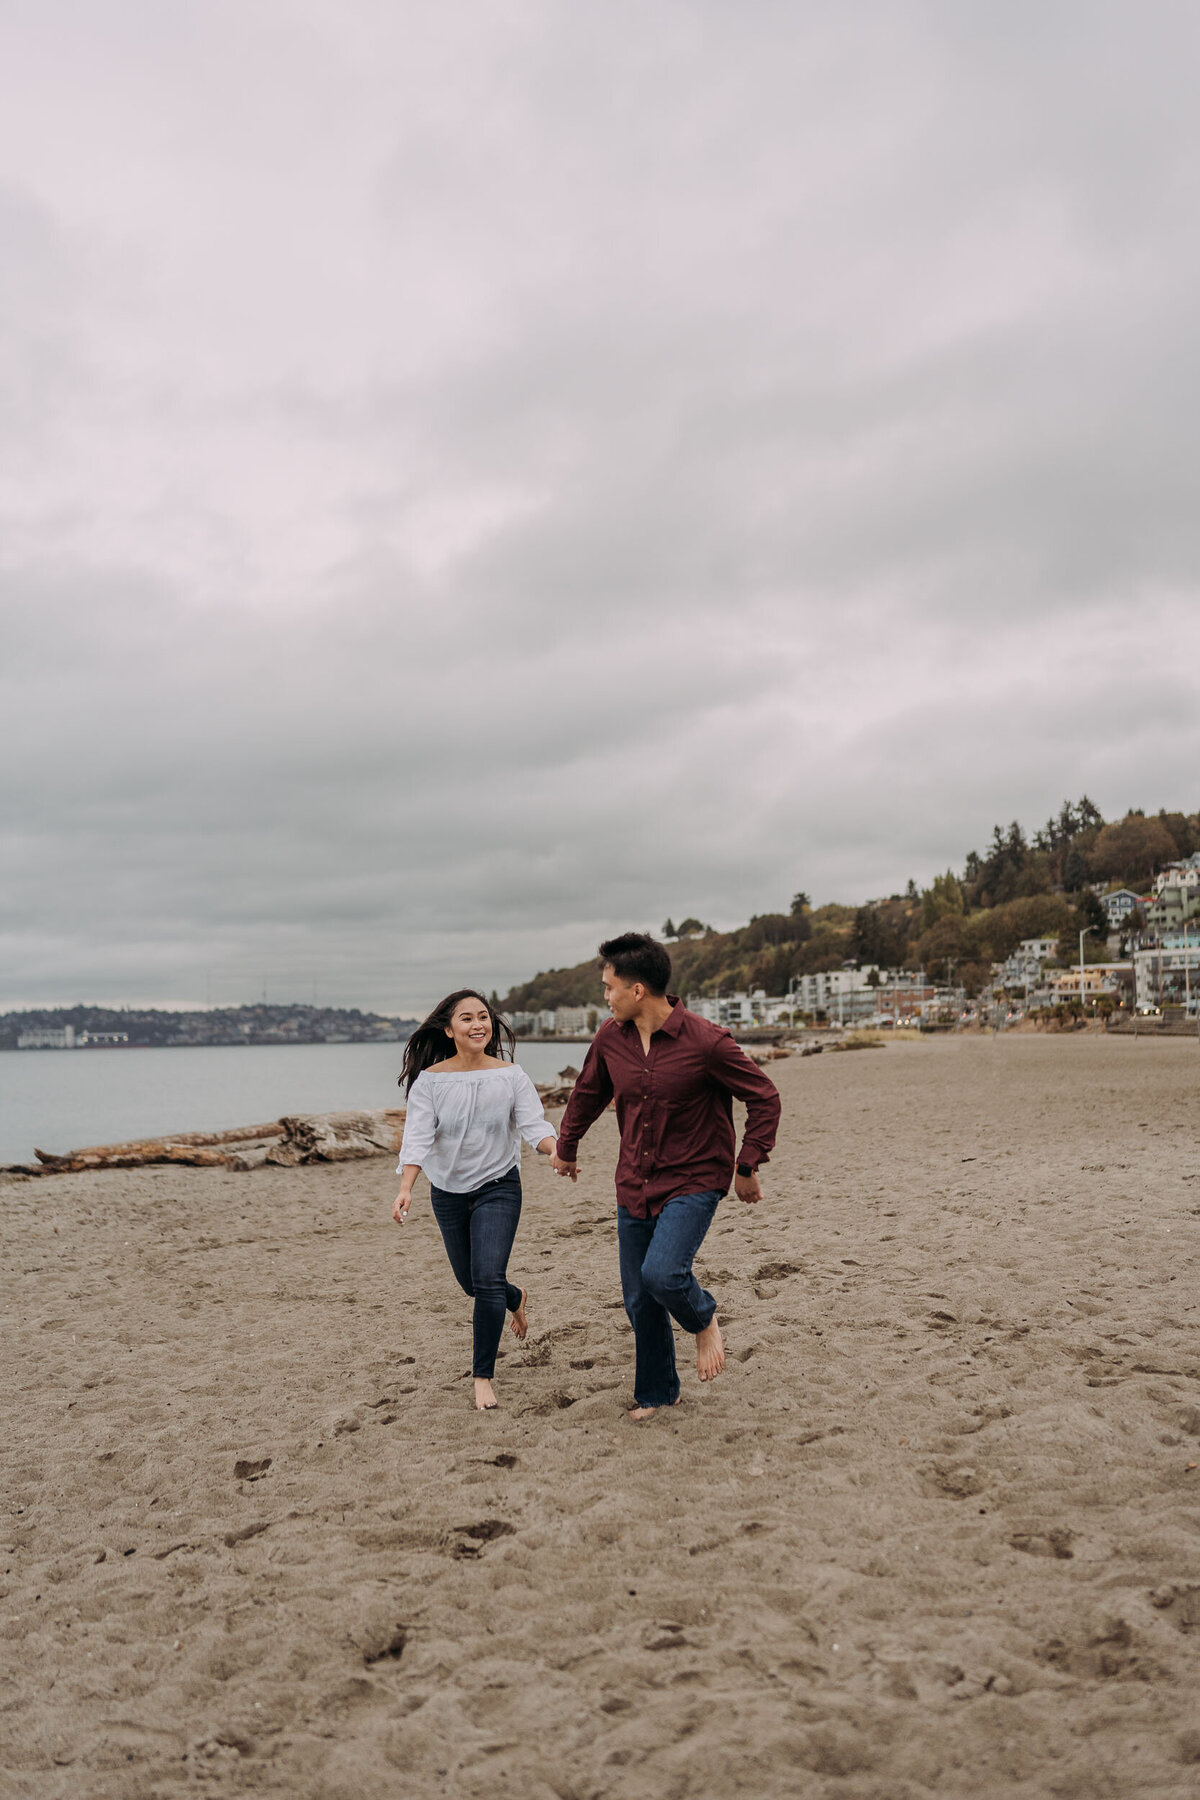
x=475, y=477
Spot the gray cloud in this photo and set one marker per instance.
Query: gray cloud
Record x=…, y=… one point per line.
x=469, y=482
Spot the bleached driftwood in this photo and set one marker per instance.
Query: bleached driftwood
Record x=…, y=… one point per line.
x=342, y=1137
x=299, y=1138
x=286, y=1143
x=197, y=1139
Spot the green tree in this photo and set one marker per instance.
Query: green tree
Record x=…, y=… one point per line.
x=669, y=930
x=945, y=896
x=801, y=904
x=1075, y=869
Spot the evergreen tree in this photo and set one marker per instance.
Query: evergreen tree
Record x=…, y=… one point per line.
x=1075, y=869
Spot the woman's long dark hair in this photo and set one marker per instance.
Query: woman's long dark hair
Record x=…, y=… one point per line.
x=428, y=1043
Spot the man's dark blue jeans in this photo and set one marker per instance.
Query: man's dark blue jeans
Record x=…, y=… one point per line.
x=478, y=1231
x=658, y=1285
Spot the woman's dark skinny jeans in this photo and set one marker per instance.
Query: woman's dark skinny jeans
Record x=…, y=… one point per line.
x=478, y=1231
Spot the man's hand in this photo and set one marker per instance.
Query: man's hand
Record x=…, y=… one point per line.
x=747, y=1188
x=400, y=1210
x=564, y=1168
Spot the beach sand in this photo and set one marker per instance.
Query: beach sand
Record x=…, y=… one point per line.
x=935, y=1531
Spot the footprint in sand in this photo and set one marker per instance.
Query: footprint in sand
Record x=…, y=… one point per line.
x=245, y=1469
x=467, y=1541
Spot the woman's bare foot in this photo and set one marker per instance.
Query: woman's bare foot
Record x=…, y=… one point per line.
x=638, y=1413
x=519, y=1323
x=485, y=1395
x=710, y=1351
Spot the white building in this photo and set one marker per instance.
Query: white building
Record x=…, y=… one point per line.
x=47, y=1037
x=737, y=1011
x=558, y=1021
x=575, y=1021
x=1169, y=975
x=1024, y=967
x=1184, y=874
x=1173, y=905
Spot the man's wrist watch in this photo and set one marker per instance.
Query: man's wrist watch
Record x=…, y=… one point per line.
x=745, y=1170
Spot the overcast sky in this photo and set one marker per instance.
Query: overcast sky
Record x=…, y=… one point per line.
x=473, y=478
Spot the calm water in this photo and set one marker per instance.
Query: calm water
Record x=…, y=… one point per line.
x=63, y=1099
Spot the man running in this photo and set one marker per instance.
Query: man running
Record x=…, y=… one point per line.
x=674, y=1077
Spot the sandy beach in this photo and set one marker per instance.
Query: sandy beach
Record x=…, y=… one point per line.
x=936, y=1531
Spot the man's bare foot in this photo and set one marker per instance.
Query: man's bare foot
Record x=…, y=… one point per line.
x=710, y=1351
x=485, y=1395
x=519, y=1323
x=638, y=1413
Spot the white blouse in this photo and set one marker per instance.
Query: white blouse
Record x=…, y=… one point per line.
x=464, y=1126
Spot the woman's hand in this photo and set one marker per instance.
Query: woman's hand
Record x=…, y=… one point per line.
x=408, y=1181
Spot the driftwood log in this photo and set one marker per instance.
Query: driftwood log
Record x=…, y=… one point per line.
x=299, y=1138
x=286, y=1143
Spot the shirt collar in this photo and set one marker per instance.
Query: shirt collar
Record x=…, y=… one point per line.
x=672, y=1024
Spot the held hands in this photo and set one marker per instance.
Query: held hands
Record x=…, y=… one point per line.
x=564, y=1168
x=747, y=1188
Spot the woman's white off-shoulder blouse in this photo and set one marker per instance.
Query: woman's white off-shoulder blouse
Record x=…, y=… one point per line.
x=464, y=1126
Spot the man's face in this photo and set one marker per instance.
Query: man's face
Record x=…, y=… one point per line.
x=622, y=998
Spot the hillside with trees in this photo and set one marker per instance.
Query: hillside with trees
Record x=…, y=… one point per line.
x=1043, y=884
x=260, y=1024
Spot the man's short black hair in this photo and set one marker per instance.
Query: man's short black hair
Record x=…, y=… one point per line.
x=636, y=956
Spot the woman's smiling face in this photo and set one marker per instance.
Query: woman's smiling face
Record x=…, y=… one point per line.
x=470, y=1026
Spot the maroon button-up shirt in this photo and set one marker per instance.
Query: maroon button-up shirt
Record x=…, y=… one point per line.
x=674, y=1108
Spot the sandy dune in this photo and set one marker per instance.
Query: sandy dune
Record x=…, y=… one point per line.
x=936, y=1531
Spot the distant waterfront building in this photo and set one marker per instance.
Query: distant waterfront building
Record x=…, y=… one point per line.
x=739, y=1010
x=844, y=994
x=1183, y=874
x=1098, y=979
x=1024, y=967
x=572, y=1021
x=556, y=1021
x=103, y=1039
x=1172, y=906
x=47, y=1037
x=1168, y=974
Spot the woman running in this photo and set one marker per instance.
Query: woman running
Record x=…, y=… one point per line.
x=467, y=1114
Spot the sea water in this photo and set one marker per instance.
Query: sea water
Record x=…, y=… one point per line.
x=60, y=1100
